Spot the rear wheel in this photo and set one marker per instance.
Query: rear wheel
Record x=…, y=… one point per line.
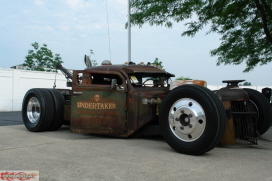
x=37, y=110
x=263, y=108
x=192, y=119
x=59, y=106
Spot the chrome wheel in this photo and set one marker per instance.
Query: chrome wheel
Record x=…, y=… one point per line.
x=187, y=119
x=33, y=110
x=192, y=119
x=38, y=110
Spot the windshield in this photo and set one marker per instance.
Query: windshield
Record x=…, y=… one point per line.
x=149, y=80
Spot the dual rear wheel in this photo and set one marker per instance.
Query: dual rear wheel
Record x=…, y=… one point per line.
x=42, y=110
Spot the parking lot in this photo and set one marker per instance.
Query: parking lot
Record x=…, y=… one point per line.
x=61, y=155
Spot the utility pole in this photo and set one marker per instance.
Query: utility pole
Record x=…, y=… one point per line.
x=129, y=33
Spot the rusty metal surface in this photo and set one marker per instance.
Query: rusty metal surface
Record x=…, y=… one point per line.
x=138, y=113
x=244, y=117
x=177, y=83
x=232, y=83
x=97, y=108
x=121, y=112
x=233, y=94
x=125, y=69
x=241, y=114
x=229, y=136
x=96, y=111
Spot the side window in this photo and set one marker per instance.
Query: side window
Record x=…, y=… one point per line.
x=148, y=80
x=100, y=79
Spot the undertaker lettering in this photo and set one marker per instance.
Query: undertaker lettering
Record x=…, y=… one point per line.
x=98, y=106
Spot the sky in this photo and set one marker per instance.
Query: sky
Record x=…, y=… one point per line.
x=72, y=27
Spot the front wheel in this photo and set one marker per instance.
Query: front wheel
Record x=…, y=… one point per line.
x=192, y=119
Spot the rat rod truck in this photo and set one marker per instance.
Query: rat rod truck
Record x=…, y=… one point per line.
x=126, y=100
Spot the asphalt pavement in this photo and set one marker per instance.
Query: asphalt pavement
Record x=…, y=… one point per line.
x=65, y=156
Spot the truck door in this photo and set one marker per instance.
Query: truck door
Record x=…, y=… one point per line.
x=95, y=106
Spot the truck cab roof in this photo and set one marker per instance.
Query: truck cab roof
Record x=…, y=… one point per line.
x=130, y=69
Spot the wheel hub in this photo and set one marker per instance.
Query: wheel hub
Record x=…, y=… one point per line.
x=33, y=110
x=187, y=119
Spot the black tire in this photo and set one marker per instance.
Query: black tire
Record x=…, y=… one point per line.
x=37, y=110
x=192, y=119
x=59, y=109
x=263, y=108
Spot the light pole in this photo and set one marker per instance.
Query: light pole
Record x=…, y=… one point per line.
x=129, y=33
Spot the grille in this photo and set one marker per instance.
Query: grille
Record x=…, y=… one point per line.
x=245, y=115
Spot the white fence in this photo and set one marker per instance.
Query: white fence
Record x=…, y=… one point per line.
x=15, y=83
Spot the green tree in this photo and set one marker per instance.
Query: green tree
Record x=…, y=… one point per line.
x=94, y=62
x=158, y=63
x=41, y=59
x=245, y=26
x=183, y=78
x=245, y=84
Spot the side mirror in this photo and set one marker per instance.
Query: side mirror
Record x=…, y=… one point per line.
x=87, y=61
x=113, y=83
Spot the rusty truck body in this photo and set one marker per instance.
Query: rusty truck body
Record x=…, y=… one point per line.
x=134, y=99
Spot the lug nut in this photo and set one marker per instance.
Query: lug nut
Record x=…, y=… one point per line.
x=190, y=125
x=190, y=103
x=182, y=128
x=182, y=111
x=190, y=115
x=177, y=119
